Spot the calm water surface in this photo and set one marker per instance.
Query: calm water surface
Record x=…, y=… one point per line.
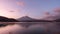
x=30, y=28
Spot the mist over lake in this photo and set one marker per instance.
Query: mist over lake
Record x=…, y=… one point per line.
x=31, y=28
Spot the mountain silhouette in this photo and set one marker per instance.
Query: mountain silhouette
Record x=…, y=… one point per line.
x=25, y=18
x=5, y=19
x=29, y=19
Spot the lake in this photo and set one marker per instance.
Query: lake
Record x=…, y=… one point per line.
x=30, y=28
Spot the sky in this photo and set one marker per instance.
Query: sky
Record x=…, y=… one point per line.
x=32, y=8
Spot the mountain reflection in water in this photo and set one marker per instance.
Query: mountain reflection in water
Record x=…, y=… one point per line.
x=30, y=28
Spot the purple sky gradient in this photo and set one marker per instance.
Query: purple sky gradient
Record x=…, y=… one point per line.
x=32, y=8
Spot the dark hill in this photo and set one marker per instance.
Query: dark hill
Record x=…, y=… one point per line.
x=5, y=19
x=57, y=20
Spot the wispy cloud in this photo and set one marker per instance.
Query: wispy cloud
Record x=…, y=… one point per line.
x=47, y=13
x=57, y=10
x=55, y=15
x=22, y=4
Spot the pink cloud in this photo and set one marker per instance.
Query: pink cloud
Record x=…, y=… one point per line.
x=47, y=13
x=55, y=15
x=21, y=3
x=57, y=10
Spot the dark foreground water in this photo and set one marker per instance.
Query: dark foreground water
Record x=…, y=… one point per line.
x=30, y=28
